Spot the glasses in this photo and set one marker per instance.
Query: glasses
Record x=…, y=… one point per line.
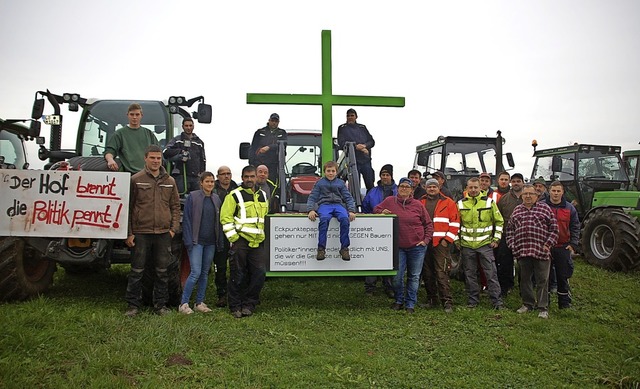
x=404, y=186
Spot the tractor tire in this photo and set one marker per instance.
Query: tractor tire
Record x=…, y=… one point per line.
x=24, y=272
x=610, y=240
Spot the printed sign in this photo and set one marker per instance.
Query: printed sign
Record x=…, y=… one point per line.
x=64, y=204
x=294, y=243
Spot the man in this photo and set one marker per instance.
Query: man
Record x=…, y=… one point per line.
x=568, y=239
x=129, y=143
x=480, y=232
x=223, y=186
x=242, y=217
x=418, y=190
x=270, y=189
x=186, y=151
x=442, y=181
x=264, y=146
x=446, y=225
x=154, y=218
x=504, y=178
x=504, y=256
x=386, y=187
x=540, y=185
x=485, y=183
x=531, y=233
x=351, y=131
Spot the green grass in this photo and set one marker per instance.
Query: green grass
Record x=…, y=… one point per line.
x=321, y=332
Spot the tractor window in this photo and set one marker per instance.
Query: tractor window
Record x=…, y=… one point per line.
x=103, y=118
x=543, y=167
x=600, y=166
x=303, y=160
x=428, y=160
x=11, y=150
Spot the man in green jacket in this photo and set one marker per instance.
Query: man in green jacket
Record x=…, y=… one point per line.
x=480, y=232
x=242, y=218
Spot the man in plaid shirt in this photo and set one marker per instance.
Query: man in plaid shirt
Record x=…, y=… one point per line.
x=531, y=233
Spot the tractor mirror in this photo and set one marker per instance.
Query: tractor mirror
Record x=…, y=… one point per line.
x=38, y=109
x=510, y=161
x=244, y=150
x=205, y=113
x=556, y=163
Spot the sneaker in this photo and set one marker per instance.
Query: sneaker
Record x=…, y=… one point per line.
x=131, y=311
x=543, y=314
x=523, y=309
x=202, y=307
x=411, y=311
x=448, y=308
x=222, y=302
x=396, y=306
x=236, y=314
x=184, y=309
x=321, y=254
x=163, y=311
x=246, y=312
x=344, y=253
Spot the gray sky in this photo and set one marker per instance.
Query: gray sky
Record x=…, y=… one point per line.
x=556, y=71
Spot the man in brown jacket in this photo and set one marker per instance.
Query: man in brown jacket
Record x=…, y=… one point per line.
x=154, y=218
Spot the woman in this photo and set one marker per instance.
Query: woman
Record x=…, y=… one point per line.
x=202, y=235
x=415, y=230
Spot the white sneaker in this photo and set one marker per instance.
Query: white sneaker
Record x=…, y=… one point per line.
x=184, y=309
x=523, y=309
x=202, y=307
x=543, y=315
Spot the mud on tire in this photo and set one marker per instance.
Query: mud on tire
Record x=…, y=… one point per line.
x=24, y=272
x=610, y=239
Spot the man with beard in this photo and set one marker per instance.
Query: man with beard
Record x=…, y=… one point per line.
x=242, y=218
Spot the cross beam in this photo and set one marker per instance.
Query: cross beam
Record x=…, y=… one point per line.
x=327, y=99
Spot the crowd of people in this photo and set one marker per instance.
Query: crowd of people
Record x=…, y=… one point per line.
x=490, y=228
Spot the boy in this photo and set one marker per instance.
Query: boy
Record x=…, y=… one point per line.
x=332, y=199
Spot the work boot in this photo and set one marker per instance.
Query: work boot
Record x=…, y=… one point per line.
x=222, y=302
x=321, y=254
x=344, y=253
x=132, y=311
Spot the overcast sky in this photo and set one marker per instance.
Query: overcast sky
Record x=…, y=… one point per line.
x=556, y=71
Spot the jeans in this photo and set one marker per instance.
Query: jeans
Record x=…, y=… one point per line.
x=540, y=270
x=247, y=275
x=564, y=269
x=409, y=260
x=200, y=259
x=326, y=212
x=153, y=247
x=487, y=262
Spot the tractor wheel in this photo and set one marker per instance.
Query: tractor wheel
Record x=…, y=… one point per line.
x=610, y=239
x=24, y=272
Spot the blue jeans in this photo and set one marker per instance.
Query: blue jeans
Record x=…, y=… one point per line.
x=409, y=260
x=200, y=259
x=326, y=212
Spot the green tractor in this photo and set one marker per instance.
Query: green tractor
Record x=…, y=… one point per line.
x=631, y=161
x=598, y=185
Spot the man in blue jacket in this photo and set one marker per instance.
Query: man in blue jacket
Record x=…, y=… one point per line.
x=386, y=187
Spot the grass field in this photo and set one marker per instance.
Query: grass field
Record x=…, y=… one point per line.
x=321, y=333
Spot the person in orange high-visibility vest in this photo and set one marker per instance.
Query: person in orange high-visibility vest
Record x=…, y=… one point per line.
x=446, y=224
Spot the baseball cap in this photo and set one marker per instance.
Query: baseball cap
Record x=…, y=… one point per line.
x=484, y=174
x=274, y=116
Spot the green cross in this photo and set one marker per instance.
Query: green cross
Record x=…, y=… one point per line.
x=327, y=99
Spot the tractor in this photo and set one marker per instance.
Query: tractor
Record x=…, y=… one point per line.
x=597, y=183
x=461, y=158
x=99, y=119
